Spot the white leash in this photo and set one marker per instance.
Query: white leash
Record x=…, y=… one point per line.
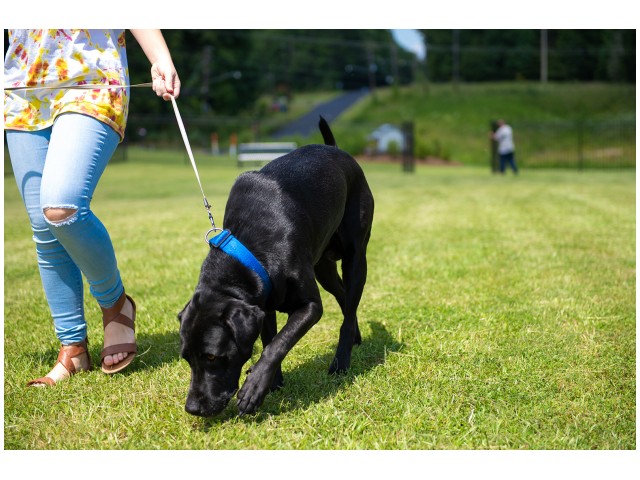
x=183, y=131
x=87, y=86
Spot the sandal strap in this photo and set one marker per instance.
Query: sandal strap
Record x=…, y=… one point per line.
x=112, y=314
x=65, y=357
x=46, y=380
x=124, y=320
x=118, y=348
x=69, y=352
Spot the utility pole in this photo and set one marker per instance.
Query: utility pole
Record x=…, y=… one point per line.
x=372, y=68
x=455, y=57
x=394, y=63
x=614, y=65
x=206, y=77
x=544, y=49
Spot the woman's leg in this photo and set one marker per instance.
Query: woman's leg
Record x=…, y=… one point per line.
x=61, y=278
x=70, y=176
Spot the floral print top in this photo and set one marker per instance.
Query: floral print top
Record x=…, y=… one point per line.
x=61, y=58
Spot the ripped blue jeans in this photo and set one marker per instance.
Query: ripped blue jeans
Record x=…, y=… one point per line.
x=59, y=168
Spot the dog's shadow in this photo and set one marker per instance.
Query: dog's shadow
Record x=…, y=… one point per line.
x=305, y=384
x=157, y=350
x=309, y=382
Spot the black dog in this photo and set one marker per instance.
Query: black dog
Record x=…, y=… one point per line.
x=298, y=215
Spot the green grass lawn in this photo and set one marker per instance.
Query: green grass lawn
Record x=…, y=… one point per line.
x=499, y=313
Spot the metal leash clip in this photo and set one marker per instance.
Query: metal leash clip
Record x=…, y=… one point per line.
x=213, y=223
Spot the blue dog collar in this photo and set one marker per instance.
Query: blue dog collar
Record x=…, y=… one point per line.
x=234, y=248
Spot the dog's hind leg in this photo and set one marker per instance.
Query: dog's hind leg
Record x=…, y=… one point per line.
x=355, y=232
x=354, y=272
x=269, y=330
x=326, y=272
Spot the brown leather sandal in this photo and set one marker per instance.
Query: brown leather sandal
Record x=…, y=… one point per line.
x=112, y=314
x=65, y=357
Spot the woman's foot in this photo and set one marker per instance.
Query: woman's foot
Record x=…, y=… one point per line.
x=72, y=359
x=119, y=335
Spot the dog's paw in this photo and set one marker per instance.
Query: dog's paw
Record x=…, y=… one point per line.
x=253, y=393
x=338, y=366
x=278, y=381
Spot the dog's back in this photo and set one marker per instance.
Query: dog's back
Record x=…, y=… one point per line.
x=312, y=185
x=308, y=188
x=316, y=170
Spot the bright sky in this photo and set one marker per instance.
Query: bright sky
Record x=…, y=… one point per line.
x=411, y=40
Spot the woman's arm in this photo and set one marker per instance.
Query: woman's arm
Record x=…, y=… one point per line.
x=166, y=82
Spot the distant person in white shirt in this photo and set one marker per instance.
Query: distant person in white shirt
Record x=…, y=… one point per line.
x=506, y=149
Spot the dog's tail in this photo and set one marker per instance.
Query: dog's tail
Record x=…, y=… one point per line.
x=327, y=136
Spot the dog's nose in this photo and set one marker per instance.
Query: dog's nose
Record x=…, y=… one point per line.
x=193, y=407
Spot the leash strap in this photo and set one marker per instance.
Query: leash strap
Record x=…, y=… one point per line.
x=234, y=248
x=88, y=86
x=183, y=132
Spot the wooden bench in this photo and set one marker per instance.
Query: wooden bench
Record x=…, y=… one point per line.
x=263, y=152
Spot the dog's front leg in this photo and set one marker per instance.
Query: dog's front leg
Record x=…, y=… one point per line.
x=269, y=330
x=259, y=381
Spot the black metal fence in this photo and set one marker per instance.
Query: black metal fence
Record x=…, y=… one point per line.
x=577, y=144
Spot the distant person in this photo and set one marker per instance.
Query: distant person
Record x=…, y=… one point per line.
x=60, y=140
x=506, y=148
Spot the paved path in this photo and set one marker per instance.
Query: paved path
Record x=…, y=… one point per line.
x=308, y=123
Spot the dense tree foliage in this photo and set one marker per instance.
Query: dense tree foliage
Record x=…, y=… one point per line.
x=572, y=55
x=225, y=71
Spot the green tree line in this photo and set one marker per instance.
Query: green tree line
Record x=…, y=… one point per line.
x=571, y=55
x=226, y=71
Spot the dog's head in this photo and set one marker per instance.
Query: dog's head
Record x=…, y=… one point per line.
x=217, y=333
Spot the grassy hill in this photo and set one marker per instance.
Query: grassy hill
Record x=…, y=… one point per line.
x=453, y=122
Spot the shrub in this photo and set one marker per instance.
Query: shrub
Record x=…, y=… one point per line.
x=434, y=149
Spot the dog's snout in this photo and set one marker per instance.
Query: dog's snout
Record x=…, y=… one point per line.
x=205, y=405
x=193, y=407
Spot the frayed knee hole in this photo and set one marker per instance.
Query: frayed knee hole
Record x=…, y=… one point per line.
x=56, y=215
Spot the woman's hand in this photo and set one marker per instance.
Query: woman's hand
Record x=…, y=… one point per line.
x=166, y=82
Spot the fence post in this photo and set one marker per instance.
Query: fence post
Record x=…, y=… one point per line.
x=408, y=158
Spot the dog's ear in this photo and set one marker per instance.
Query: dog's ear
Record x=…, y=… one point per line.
x=193, y=300
x=245, y=323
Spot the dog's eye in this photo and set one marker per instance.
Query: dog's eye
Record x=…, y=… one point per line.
x=211, y=357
